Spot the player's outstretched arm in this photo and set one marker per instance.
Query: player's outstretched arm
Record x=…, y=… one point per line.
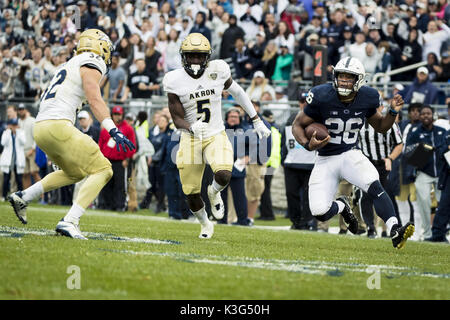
x=91, y=79
x=383, y=123
x=301, y=121
x=244, y=101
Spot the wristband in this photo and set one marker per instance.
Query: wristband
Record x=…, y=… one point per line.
x=389, y=157
x=392, y=112
x=108, y=124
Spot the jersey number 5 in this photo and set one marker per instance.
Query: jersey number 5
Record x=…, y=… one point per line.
x=201, y=109
x=49, y=93
x=343, y=131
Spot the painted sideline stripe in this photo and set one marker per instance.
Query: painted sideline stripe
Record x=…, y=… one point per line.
x=300, y=266
x=7, y=231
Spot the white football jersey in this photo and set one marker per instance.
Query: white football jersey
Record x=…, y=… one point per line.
x=201, y=98
x=65, y=95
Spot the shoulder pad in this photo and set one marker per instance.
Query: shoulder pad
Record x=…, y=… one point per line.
x=320, y=93
x=170, y=81
x=218, y=69
x=93, y=59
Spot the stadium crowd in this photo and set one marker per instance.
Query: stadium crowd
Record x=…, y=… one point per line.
x=265, y=41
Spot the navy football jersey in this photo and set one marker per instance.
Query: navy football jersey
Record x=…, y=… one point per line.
x=343, y=120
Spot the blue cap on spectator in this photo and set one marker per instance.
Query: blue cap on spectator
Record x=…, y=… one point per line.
x=445, y=55
x=13, y=122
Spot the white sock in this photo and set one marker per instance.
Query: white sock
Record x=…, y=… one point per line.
x=74, y=214
x=217, y=187
x=33, y=192
x=390, y=223
x=201, y=215
x=341, y=206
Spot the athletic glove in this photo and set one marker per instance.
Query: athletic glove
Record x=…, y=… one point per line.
x=198, y=129
x=121, y=140
x=260, y=128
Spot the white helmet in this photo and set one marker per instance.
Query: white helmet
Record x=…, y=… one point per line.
x=352, y=66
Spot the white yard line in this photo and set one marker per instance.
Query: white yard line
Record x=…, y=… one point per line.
x=6, y=231
x=301, y=266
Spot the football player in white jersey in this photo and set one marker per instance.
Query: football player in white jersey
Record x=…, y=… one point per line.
x=75, y=153
x=195, y=94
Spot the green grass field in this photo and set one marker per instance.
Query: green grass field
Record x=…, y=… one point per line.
x=143, y=256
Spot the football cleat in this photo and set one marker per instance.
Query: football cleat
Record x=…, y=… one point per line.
x=400, y=234
x=69, y=229
x=217, y=207
x=349, y=217
x=19, y=205
x=207, y=230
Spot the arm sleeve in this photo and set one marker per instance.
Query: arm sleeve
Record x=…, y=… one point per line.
x=242, y=99
x=396, y=135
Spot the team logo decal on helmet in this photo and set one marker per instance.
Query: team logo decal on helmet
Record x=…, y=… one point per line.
x=195, y=43
x=96, y=41
x=351, y=66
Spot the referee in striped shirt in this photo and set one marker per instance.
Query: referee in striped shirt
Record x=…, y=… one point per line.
x=381, y=149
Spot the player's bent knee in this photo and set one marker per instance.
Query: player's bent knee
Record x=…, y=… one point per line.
x=222, y=177
x=319, y=209
x=375, y=189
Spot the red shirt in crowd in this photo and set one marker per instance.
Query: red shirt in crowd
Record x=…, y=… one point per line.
x=108, y=145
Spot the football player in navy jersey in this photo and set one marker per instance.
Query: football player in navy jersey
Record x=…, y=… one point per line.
x=342, y=107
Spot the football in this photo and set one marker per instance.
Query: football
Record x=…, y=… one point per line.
x=321, y=131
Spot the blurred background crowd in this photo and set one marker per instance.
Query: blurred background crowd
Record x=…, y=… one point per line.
x=269, y=46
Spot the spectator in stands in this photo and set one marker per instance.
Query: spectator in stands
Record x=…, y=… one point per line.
x=298, y=164
x=157, y=138
x=283, y=66
x=432, y=61
x=422, y=16
x=113, y=195
x=173, y=58
x=116, y=78
x=152, y=58
x=257, y=49
x=85, y=122
x=250, y=19
x=177, y=206
x=270, y=26
x=236, y=133
x=265, y=208
x=230, y=35
x=427, y=176
x=12, y=159
x=443, y=69
x=411, y=53
x=259, y=154
x=242, y=61
x=358, y=49
x=269, y=59
x=141, y=84
x=218, y=24
x=200, y=27
x=259, y=85
x=284, y=37
x=434, y=38
x=421, y=90
x=442, y=217
x=26, y=123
